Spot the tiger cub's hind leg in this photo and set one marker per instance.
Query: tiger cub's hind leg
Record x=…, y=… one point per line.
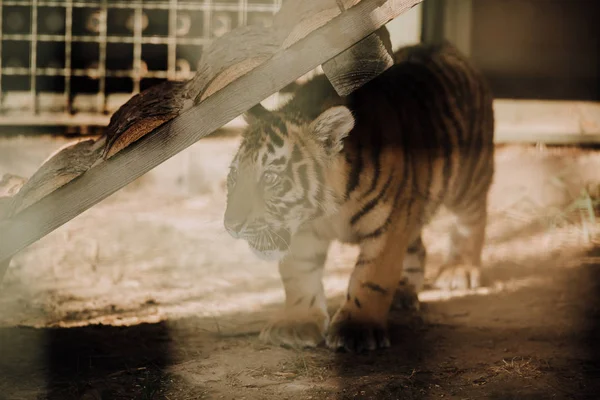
x=461, y=271
x=413, y=270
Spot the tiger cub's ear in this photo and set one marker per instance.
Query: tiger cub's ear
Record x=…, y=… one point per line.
x=257, y=112
x=332, y=126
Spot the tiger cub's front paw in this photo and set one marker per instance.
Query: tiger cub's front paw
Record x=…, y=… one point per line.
x=354, y=335
x=297, y=329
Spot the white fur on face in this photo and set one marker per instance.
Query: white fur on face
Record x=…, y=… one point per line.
x=269, y=255
x=307, y=197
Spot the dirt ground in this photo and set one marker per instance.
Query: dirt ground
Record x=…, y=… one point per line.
x=146, y=297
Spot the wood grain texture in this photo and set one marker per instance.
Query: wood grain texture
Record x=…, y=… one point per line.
x=173, y=136
x=362, y=62
x=304, y=18
x=145, y=112
x=235, y=54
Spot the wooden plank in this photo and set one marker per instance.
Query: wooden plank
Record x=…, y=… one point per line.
x=550, y=122
x=307, y=50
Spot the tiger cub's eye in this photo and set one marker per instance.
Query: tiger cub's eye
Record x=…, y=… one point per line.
x=270, y=178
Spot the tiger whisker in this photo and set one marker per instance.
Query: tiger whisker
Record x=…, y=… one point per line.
x=270, y=237
x=282, y=239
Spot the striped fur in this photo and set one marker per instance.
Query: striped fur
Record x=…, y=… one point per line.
x=369, y=169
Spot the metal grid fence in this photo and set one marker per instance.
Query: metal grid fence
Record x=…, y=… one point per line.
x=69, y=62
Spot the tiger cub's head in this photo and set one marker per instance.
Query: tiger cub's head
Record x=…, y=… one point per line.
x=280, y=177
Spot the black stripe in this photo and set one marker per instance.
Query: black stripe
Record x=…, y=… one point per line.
x=377, y=232
x=483, y=180
x=298, y=301
x=371, y=204
x=375, y=287
x=274, y=136
x=474, y=153
x=280, y=125
x=454, y=77
x=439, y=132
x=427, y=147
x=279, y=161
x=312, y=301
x=375, y=159
x=362, y=262
x=303, y=175
x=416, y=246
x=401, y=187
x=356, y=169
x=296, y=154
x=357, y=302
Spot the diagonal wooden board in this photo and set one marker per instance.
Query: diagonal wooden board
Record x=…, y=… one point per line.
x=315, y=47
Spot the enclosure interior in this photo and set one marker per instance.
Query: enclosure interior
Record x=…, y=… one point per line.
x=145, y=296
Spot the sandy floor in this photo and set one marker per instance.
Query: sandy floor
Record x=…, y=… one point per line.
x=146, y=297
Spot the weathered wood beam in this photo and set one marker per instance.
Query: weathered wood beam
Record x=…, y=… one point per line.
x=547, y=121
x=360, y=63
x=241, y=69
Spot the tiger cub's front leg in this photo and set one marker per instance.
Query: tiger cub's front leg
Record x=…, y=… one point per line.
x=304, y=320
x=361, y=322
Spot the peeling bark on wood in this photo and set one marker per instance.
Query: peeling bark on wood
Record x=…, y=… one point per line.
x=145, y=112
x=66, y=165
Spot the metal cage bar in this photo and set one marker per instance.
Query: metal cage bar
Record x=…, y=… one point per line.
x=77, y=61
x=68, y=41
x=33, y=56
x=1, y=70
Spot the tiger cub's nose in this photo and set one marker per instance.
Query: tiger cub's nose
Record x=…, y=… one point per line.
x=234, y=226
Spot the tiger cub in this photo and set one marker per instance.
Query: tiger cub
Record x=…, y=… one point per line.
x=369, y=169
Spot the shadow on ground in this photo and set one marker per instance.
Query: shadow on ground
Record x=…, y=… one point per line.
x=591, y=315
x=94, y=362
x=530, y=342
x=536, y=342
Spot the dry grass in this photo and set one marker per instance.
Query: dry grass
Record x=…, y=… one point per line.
x=521, y=367
x=578, y=215
x=306, y=365
x=582, y=211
